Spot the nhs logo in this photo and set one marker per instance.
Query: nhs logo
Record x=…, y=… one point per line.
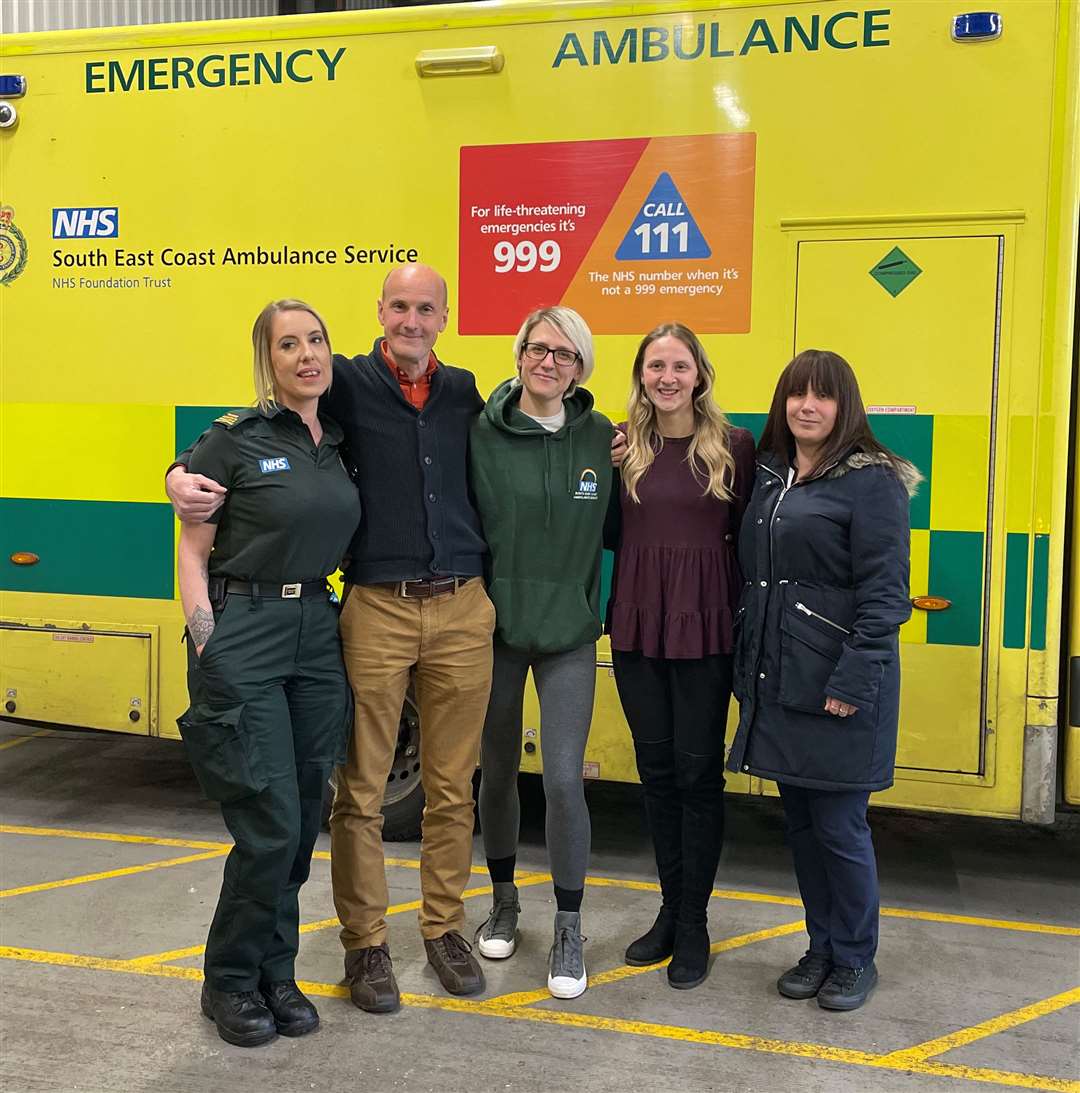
x=100, y=223
x=275, y=463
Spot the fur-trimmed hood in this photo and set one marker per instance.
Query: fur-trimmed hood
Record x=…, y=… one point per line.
x=907, y=472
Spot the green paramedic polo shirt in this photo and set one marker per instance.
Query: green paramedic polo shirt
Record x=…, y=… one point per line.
x=291, y=509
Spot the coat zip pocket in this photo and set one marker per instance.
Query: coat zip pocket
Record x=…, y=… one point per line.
x=814, y=615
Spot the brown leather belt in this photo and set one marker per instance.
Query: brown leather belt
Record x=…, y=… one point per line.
x=425, y=588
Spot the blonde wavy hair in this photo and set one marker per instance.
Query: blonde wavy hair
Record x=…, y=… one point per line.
x=260, y=340
x=709, y=454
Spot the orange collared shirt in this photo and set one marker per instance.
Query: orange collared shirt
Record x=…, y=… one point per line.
x=416, y=392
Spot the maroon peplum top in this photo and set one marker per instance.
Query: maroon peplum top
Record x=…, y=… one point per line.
x=677, y=582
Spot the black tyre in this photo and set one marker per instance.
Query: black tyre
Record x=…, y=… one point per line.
x=403, y=803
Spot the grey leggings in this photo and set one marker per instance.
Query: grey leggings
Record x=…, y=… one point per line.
x=565, y=683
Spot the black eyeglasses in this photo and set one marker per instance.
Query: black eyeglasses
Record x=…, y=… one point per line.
x=537, y=351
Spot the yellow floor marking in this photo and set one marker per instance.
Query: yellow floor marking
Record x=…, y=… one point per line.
x=998, y=1077
x=986, y=923
x=739, y=1041
x=154, y=959
x=717, y=893
x=113, y=837
x=325, y=923
x=627, y=971
x=415, y=904
x=994, y=1025
x=886, y=912
x=400, y=863
x=97, y=963
x=823, y=1052
x=126, y=871
x=756, y=897
x=609, y=882
x=25, y=739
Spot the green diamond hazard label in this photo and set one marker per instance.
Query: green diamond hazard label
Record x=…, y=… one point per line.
x=895, y=272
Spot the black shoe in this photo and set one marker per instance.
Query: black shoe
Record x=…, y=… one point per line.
x=690, y=958
x=241, y=1016
x=656, y=944
x=806, y=978
x=847, y=988
x=293, y=1014
x=451, y=957
x=369, y=974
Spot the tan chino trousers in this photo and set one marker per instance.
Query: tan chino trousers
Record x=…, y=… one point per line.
x=448, y=639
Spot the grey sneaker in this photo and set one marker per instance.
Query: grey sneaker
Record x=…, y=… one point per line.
x=497, y=937
x=566, y=965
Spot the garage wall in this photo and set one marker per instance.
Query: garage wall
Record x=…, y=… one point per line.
x=22, y=16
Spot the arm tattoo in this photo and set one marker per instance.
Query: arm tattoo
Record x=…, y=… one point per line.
x=200, y=625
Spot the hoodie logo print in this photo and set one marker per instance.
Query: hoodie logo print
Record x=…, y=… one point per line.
x=587, y=486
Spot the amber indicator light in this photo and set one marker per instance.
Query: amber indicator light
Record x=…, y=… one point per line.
x=25, y=557
x=930, y=603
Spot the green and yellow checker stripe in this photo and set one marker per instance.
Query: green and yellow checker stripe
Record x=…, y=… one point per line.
x=94, y=510
x=948, y=527
x=83, y=489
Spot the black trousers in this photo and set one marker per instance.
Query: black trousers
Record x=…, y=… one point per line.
x=677, y=713
x=269, y=711
x=836, y=869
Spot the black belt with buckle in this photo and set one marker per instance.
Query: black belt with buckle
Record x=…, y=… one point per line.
x=425, y=587
x=220, y=587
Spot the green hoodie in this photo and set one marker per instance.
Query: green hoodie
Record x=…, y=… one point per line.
x=542, y=499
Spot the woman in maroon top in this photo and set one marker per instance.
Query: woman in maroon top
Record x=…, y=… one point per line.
x=685, y=483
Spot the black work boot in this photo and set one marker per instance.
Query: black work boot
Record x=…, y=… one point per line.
x=806, y=978
x=656, y=944
x=847, y=988
x=369, y=974
x=293, y=1013
x=690, y=958
x=241, y=1017
x=451, y=957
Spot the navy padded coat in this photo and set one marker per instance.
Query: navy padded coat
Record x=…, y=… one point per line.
x=826, y=564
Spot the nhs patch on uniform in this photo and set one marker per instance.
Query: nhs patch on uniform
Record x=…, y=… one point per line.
x=86, y=223
x=274, y=463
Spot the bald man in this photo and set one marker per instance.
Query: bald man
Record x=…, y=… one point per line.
x=414, y=604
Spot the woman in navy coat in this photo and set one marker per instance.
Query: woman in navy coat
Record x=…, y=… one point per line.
x=824, y=550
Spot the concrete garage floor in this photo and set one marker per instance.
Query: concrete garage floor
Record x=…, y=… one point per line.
x=980, y=955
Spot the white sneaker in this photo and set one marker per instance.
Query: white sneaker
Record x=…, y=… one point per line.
x=566, y=964
x=497, y=937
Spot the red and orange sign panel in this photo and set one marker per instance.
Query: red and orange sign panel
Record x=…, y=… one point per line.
x=631, y=233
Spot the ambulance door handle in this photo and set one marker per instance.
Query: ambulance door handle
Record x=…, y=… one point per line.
x=472, y=61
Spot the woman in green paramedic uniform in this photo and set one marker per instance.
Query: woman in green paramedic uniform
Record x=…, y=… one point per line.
x=269, y=699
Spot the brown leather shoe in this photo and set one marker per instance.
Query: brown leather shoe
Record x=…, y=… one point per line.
x=451, y=957
x=370, y=976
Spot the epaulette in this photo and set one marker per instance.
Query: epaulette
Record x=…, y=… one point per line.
x=234, y=417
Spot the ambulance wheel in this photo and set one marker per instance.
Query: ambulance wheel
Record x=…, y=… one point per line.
x=403, y=802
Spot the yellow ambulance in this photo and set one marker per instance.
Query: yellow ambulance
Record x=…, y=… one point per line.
x=897, y=181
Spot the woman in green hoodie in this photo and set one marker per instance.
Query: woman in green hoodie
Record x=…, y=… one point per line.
x=540, y=461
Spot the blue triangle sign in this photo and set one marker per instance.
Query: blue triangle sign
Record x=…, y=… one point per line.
x=663, y=229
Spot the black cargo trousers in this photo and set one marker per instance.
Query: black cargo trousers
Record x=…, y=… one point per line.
x=270, y=709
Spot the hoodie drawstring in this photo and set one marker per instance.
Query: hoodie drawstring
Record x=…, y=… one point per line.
x=547, y=483
x=570, y=464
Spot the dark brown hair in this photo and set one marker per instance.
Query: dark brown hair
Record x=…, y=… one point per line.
x=829, y=375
